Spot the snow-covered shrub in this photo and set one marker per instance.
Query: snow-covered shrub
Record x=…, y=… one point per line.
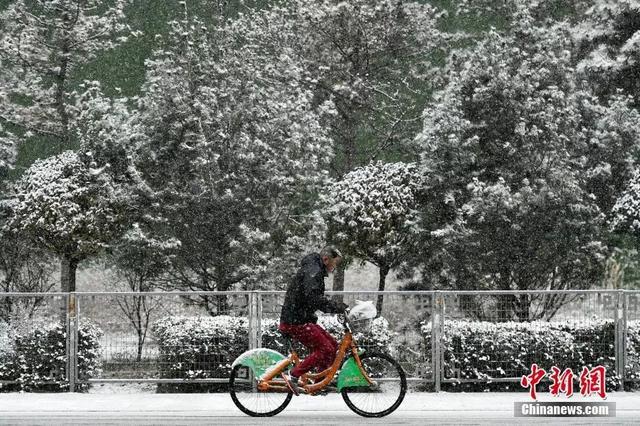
x=205, y=347
x=198, y=348
x=5, y=353
x=632, y=361
x=39, y=356
x=4, y=338
x=487, y=350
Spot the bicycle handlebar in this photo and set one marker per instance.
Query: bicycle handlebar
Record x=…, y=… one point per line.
x=343, y=318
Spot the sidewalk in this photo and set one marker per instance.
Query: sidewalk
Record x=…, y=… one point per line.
x=417, y=408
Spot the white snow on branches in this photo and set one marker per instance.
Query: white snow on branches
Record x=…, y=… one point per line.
x=373, y=210
x=60, y=203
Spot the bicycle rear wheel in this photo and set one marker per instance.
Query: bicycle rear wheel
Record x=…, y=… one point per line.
x=387, y=393
x=250, y=400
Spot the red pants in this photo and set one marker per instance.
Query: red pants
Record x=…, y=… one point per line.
x=322, y=345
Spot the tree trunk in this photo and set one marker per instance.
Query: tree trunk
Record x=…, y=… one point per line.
x=140, y=345
x=524, y=302
x=138, y=307
x=222, y=300
x=384, y=270
x=222, y=305
x=68, y=274
x=68, y=269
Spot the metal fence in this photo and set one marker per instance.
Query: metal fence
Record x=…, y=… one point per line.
x=442, y=338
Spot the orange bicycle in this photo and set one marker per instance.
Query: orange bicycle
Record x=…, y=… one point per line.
x=372, y=384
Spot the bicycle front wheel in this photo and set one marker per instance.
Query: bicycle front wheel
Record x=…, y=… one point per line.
x=387, y=392
x=250, y=400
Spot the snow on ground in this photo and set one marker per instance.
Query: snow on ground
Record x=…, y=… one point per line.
x=418, y=408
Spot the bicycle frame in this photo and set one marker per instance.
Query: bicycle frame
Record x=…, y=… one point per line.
x=312, y=383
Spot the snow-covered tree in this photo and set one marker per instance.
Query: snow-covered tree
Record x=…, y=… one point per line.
x=502, y=13
x=372, y=58
x=372, y=215
x=231, y=147
x=69, y=208
x=43, y=45
x=605, y=33
x=608, y=40
x=626, y=212
x=103, y=129
x=625, y=223
x=8, y=151
x=513, y=145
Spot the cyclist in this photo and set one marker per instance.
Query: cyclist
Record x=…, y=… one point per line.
x=305, y=296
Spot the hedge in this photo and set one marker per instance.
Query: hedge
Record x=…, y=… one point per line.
x=39, y=356
x=486, y=350
x=198, y=348
x=205, y=347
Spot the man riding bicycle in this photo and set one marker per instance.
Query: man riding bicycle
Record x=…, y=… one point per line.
x=305, y=296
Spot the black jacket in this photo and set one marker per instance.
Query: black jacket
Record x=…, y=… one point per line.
x=305, y=293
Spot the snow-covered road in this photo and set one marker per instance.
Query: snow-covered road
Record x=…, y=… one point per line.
x=188, y=409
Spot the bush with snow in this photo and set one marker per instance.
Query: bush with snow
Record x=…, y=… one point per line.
x=205, y=347
x=37, y=359
x=198, y=348
x=486, y=350
x=632, y=360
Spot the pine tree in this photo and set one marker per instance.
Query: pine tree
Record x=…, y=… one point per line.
x=373, y=59
x=43, y=46
x=520, y=162
x=230, y=146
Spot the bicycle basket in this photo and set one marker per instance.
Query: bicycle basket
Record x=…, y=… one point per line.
x=360, y=325
x=361, y=316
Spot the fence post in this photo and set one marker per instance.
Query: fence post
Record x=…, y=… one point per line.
x=259, y=313
x=436, y=339
x=72, y=344
x=250, y=319
x=620, y=336
x=253, y=321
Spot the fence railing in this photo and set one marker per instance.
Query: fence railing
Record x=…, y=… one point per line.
x=442, y=338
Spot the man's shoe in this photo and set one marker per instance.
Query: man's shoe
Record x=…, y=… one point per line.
x=292, y=383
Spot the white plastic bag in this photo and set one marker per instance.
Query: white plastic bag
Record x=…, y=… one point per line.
x=363, y=310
